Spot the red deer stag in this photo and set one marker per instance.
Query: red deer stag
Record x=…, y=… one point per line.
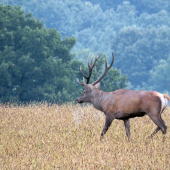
x=123, y=104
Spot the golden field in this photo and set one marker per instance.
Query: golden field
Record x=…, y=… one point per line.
x=67, y=137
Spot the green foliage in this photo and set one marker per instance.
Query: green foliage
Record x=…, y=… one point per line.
x=114, y=80
x=140, y=49
x=142, y=6
x=35, y=63
x=159, y=76
x=137, y=32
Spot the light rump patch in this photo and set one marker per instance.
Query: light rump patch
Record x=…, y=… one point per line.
x=164, y=102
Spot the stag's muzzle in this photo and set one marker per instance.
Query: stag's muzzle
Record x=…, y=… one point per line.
x=78, y=101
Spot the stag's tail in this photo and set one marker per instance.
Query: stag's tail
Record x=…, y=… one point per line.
x=168, y=98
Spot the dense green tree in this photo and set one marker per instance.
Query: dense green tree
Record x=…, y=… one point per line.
x=93, y=27
x=142, y=6
x=159, y=76
x=35, y=63
x=140, y=49
x=137, y=32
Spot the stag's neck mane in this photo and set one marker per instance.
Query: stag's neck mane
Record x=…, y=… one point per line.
x=98, y=99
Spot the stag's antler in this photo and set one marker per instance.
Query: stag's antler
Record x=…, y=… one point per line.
x=106, y=70
x=90, y=68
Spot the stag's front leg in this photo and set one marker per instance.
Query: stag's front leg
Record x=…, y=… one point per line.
x=127, y=127
x=107, y=125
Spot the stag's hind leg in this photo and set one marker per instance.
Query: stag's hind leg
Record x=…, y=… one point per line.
x=158, y=128
x=155, y=131
x=127, y=127
x=156, y=118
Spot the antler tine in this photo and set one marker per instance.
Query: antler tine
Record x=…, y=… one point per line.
x=96, y=73
x=98, y=84
x=90, y=66
x=82, y=73
x=105, y=62
x=88, y=61
x=91, y=62
x=83, y=80
x=96, y=58
x=106, y=70
x=80, y=82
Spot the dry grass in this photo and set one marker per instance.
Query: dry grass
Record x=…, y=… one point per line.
x=67, y=137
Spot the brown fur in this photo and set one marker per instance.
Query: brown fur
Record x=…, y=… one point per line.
x=124, y=104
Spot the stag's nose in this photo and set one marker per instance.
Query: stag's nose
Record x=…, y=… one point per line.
x=78, y=101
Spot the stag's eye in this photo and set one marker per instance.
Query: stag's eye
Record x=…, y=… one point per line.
x=84, y=92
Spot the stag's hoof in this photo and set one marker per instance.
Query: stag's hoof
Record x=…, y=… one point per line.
x=163, y=140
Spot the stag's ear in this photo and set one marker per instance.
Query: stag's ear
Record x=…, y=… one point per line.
x=87, y=87
x=98, y=85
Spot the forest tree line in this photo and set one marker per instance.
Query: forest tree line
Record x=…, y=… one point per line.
x=36, y=64
x=137, y=32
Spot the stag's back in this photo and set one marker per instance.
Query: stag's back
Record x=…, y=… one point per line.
x=130, y=101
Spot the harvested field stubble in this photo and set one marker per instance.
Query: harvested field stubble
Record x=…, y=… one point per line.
x=67, y=137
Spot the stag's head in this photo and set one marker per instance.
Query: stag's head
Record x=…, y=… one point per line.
x=91, y=89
